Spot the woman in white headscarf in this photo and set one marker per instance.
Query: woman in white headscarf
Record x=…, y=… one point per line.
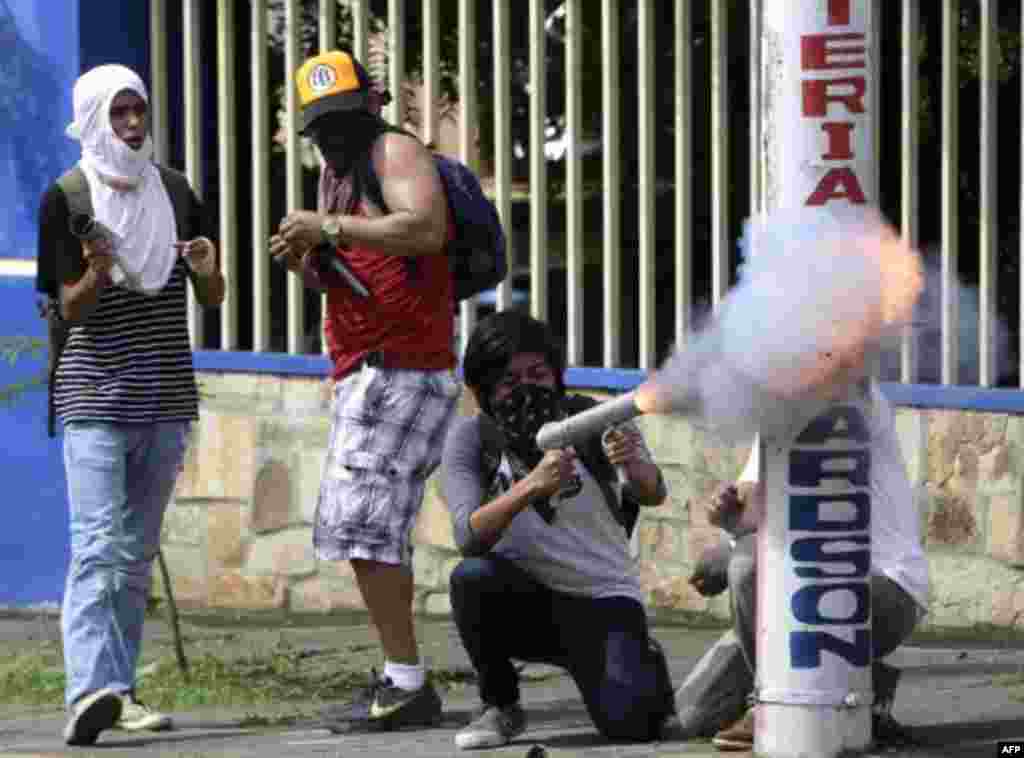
x=124, y=386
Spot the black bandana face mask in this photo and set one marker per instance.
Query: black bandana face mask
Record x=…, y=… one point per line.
x=522, y=413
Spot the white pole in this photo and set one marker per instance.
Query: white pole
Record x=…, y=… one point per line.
x=813, y=679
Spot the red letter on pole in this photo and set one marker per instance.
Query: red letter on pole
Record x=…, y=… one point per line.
x=816, y=53
x=837, y=184
x=838, y=12
x=839, y=143
x=816, y=95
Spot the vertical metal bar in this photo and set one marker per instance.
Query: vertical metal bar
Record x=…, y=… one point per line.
x=720, y=185
x=159, y=107
x=574, y=254
x=754, y=85
x=645, y=199
x=611, y=202
x=875, y=97
x=503, y=135
x=538, y=164
x=431, y=72
x=260, y=179
x=293, y=168
x=910, y=139
x=360, y=28
x=191, y=54
x=396, y=60
x=683, y=169
x=328, y=34
x=227, y=140
x=327, y=28
x=874, y=90
x=468, y=133
x=950, y=206
x=989, y=223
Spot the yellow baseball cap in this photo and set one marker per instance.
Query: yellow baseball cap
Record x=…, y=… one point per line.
x=328, y=82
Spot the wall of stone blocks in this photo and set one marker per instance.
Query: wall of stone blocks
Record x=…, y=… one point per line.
x=238, y=534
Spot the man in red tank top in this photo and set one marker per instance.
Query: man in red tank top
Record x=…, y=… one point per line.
x=376, y=248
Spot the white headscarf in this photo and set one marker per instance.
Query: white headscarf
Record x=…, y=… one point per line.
x=128, y=195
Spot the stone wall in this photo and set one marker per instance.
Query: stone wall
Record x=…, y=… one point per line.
x=238, y=534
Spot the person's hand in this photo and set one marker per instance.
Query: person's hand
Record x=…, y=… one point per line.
x=302, y=229
x=200, y=254
x=99, y=256
x=711, y=575
x=554, y=472
x=621, y=445
x=726, y=508
x=288, y=255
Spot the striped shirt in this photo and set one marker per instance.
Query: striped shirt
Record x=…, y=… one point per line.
x=130, y=361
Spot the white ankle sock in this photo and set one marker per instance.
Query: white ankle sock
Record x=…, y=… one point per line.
x=406, y=676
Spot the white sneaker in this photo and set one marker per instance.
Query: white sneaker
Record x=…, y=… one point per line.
x=138, y=717
x=493, y=727
x=92, y=714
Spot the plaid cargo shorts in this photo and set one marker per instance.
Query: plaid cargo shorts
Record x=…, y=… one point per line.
x=387, y=433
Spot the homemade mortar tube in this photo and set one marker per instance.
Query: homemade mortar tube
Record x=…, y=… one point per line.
x=577, y=429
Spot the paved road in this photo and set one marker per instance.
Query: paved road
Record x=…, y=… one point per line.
x=950, y=696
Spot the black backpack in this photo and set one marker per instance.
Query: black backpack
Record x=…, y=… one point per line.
x=75, y=186
x=477, y=253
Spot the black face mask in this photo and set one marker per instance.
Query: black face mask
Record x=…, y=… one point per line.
x=522, y=413
x=345, y=139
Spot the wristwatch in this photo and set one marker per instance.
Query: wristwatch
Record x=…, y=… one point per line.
x=330, y=230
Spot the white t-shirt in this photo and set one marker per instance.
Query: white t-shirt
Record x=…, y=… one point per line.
x=584, y=551
x=896, y=547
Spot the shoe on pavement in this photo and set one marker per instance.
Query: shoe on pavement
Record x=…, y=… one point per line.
x=390, y=708
x=136, y=716
x=493, y=727
x=357, y=709
x=737, y=736
x=887, y=733
x=90, y=715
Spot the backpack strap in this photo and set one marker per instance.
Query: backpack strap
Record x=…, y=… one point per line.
x=366, y=174
x=593, y=456
x=591, y=453
x=492, y=447
x=75, y=187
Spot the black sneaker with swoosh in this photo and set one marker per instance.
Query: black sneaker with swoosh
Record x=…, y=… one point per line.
x=392, y=709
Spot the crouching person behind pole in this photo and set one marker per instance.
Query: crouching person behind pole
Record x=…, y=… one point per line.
x=548, y=576
x=899, y=579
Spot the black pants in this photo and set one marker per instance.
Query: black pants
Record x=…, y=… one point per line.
x=502, y=614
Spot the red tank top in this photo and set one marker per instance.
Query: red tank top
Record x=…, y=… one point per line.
x=409, y=317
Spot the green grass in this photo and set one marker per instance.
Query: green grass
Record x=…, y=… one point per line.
x=1012, y=682
x=280, y=676
x=31, y=679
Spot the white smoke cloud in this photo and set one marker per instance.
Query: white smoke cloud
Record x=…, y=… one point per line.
x=816, y=291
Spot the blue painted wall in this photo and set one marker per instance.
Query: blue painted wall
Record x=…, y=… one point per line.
x=44, y=45
x=39, y=60
x=34, y=539
x=38, y=64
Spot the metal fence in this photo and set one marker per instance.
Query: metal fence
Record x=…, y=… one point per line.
x=627, y=321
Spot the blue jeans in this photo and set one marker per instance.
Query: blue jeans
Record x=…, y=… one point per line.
x=502, y=613
x=120, y=479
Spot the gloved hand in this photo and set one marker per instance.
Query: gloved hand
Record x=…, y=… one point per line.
x=711, y=575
